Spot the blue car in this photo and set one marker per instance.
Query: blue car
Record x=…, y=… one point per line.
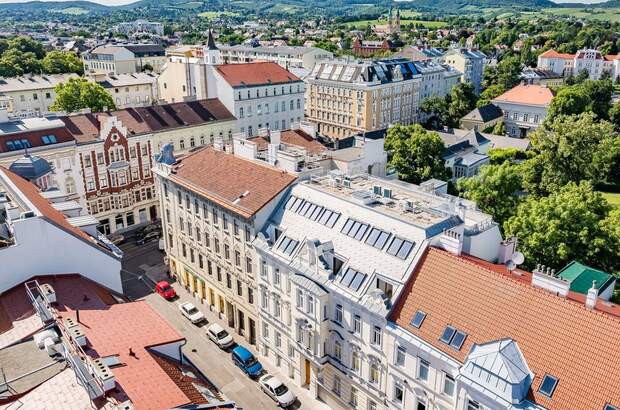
x=243, y=358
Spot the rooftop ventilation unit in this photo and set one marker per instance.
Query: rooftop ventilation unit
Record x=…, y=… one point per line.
x=49, y=292
x=104, y=374
x=78, y=335
x=363, y=197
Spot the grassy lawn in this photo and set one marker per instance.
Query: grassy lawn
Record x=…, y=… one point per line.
x=215, y=14
x=285, y=9
x=587, y=13
x=189, y=5
x=71, y=10
x=360, y=24
x=613, y=198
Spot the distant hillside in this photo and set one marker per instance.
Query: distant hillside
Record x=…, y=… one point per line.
x=37, y=6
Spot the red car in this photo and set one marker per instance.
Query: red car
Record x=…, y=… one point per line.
x=165, y=290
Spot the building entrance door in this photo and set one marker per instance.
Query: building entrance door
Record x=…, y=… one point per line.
x=307, y=381
x=252, y=327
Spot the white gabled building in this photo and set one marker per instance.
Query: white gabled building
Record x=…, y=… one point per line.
x=332, y=260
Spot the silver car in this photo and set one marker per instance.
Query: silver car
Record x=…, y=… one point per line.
x=276, y=390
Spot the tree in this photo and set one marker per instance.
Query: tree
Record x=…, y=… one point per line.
x=436, y=112
x=461, y=101
x=79, y=93
x=147, y=67
x=494, y=190
x=416, y=154
x=60, y=62
x=575, y=222
x=489, y=94
x=500, y=155
x=27, y=45
x=614, y=115
x=599, y=92
x=571, y=149
x=499, y=128
x=15, y=63
x=568, y=101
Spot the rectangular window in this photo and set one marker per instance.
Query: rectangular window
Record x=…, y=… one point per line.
x=423, y=366
x=398, y=393
x=300, y=299
x=400, y=356
x=448, y=385
x=248, y=264
x=376, y=336
x=336, y=386
x=310, y=304
x=276, y=277
x=357, y=324
x=338, y=316
x=472, y=405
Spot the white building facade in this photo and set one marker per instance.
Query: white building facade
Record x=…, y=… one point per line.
x=332, y=260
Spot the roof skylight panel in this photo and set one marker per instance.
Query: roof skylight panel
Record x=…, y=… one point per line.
x=377, y=238
x=447, y=334
x=418, y=318
x=548, y=385
x=400, y=247
x=287, y=245
x=353, y=279
x=458, y=339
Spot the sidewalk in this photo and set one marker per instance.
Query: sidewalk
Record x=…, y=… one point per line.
x=304, y=396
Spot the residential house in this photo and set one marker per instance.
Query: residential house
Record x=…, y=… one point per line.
x=525, y=108
x=590, y=60
x=31, y=95
x=129, y=90
x=482, y=118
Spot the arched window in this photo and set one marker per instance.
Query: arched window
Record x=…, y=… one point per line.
x=182, y=144
x=192, y=142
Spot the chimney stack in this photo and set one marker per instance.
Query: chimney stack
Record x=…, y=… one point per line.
x=592, y=296
x=546, y=278
x=506, y=249
x=452, y=241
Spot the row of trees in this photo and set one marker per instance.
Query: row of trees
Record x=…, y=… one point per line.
x=23, y=55
x=547, y=197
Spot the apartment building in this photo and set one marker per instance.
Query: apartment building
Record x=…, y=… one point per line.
x=214, y=204
x=115, y=152
x=421, y=53
x=124, y=58
x=469, y=62
x=436, y=80
x=140, y=26
x=48, y=139
x=332, y=261
x=524, y=107
x=287, y=57
x=259, y=95
x=350, y=97
x=129, y=90
x=590, y=60
x=30, y=96
x=471, y=335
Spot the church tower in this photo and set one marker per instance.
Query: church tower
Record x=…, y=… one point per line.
x=211, y=52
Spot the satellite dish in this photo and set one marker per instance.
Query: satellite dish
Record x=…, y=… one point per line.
x=518, y=258
x=511, y=265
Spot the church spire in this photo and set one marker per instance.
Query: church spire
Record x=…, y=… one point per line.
x=211, y=42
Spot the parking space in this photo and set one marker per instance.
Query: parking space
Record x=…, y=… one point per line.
x=143, y=267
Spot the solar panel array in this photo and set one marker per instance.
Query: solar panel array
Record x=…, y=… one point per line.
x=378, y=238
x=313, y=211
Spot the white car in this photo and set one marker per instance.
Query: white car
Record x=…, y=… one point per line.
x=277, y=390
x=191, y=312
x=219, y=336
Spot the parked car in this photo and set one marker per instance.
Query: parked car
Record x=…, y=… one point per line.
x=220, y=336
x=155, y=227
x=276, y=390
x=246, y=361
x=165, y=290
x=116, y=238
x=141, y=239
x=191, y=312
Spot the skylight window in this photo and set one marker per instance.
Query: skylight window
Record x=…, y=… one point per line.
x=353, y=279
x=448, y=332
x=548, y=385
x=312, y=211
x=610, y=407
x=287, y=245
x=453, y=338
x=418, y=318
x=400, y=247
x=355, y=229
x=458, y=339
x=377, y=238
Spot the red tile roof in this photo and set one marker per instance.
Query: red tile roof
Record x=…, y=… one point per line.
x=240, y=185
x=527, y=94
x=557, y=336
x=554, y=54
x=46, y=209
x=141, y=120
x=297, y=138
x=259, y=73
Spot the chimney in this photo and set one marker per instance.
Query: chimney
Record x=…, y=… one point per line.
x=592, y=296
x=506, y=249
x=218, y=144
x=547, y=279
x=451, y=241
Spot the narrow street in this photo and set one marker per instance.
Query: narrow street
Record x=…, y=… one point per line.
x=142, y=267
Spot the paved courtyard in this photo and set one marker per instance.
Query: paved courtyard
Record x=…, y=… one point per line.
x=142, y=267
